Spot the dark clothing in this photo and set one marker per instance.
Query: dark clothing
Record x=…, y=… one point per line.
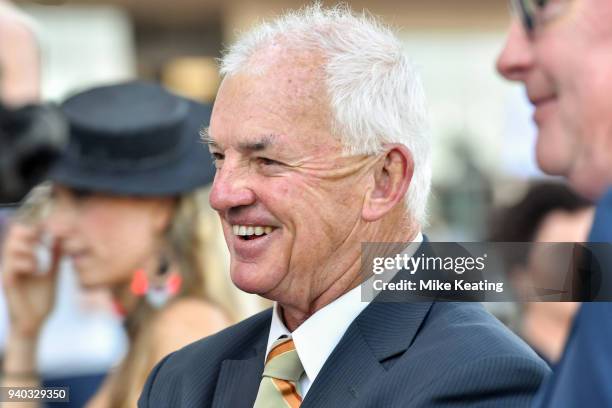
x=426, y=354
x=583, y=377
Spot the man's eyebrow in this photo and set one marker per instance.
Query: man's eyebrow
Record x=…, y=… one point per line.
x=206, y=137
x=253, y=146
x=259, y=144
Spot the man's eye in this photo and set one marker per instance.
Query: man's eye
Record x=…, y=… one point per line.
x=548, y=10
x=217, y=159
x=267, y=162
x=217, y=156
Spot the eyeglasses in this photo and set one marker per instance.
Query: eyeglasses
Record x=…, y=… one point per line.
x=536, y=14
x=528, y=11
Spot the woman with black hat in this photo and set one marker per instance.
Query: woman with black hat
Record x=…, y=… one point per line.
x=126, y=200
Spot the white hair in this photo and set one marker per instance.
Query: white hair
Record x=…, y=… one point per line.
x=376, y=96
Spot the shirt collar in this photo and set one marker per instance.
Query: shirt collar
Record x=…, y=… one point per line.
x=316, y=338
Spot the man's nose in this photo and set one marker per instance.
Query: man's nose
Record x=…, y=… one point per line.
x=516, y=58
x=231, y=188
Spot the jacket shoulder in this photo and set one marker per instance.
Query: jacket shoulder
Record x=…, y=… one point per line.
x=475, y=331
x=195, y=367
x=470, y=355
x=233, y=342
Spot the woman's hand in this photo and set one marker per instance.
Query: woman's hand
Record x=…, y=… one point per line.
x=30, y=292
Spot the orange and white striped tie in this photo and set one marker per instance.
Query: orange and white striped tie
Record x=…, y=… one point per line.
x=283, y=369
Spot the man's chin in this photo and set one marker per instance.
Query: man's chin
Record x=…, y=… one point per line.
x=551, y=160
x=551, y=166
x=590, y=188
x=554, y=149
x=251, y=278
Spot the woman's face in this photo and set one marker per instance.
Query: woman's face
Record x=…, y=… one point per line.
x=107, y=237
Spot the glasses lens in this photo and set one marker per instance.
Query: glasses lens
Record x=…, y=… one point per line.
x=526, y=11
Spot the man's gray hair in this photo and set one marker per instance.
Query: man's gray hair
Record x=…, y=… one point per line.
x=376, y=95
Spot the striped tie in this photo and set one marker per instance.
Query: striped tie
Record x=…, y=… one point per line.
x=281, y=373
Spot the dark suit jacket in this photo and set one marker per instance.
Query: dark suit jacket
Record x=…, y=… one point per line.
x=583, y=377
x=426, y=354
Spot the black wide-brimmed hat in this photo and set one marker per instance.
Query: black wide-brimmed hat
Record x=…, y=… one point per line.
x=134, y=139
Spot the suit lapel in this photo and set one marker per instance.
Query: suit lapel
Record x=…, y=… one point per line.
x=238, y=382
x=239, y=378
x=383, y=330
x=345, y=373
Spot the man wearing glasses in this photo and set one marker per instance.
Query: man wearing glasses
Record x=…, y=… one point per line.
x=561, y=50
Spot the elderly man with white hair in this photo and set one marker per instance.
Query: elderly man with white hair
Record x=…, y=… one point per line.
x=319, y=137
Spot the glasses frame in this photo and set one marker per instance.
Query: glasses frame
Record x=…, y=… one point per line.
x=526, y=15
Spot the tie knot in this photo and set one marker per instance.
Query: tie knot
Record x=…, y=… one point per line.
x=283, y=361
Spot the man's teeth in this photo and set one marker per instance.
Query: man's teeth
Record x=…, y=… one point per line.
x=247, y=230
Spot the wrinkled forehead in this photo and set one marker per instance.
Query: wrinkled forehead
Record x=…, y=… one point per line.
x=286, y=101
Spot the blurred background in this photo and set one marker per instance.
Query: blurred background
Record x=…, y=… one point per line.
x=481, y=129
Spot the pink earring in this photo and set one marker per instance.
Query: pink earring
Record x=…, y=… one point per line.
x=157, y=295
x=140, y=283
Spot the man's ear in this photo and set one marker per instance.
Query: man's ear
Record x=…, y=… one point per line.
x=391, y=181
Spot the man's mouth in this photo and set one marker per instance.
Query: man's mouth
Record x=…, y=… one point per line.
x=543, y=107
x=538, y=98
x=542, y=101
x=251, y=232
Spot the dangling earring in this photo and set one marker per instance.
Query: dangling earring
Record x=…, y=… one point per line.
x=140, y=283
x=158, y=294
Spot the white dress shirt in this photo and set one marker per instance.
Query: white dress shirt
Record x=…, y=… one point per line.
x=316, y=338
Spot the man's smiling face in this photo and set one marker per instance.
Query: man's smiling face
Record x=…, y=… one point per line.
x=565, y=66
x=290, y=205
